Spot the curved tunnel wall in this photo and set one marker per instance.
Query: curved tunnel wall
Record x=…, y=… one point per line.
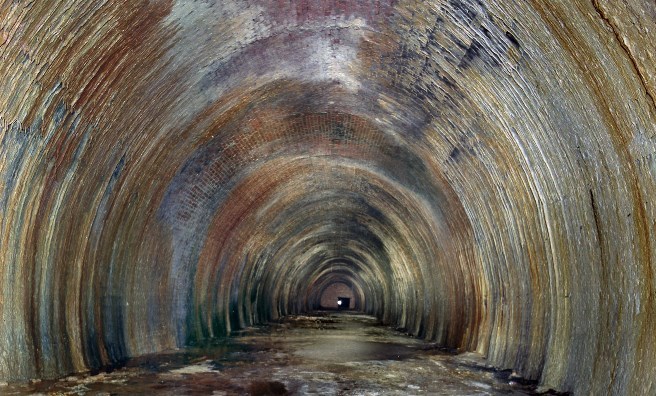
x=330, y=295
x=482, y=171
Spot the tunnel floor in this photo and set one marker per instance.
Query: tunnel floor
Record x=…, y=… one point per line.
x=327, y=353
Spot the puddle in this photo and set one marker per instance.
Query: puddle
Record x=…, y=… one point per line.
x=340, y=350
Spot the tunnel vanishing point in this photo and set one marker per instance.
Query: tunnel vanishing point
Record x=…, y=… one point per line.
x=481, y=173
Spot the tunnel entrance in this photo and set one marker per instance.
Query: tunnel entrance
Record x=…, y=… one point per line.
x=338, y=296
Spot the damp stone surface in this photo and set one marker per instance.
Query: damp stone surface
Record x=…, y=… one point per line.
x=321, y=354
x=480, y=173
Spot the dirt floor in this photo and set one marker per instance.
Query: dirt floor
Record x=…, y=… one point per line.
x=329, y=353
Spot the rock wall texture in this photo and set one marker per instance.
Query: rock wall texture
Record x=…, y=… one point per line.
x=335, y=291
x=482, y=172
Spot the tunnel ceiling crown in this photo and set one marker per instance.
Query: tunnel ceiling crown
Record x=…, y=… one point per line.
x=478, y=172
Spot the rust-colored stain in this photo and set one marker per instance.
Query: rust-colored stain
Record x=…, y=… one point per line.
x=478, y=173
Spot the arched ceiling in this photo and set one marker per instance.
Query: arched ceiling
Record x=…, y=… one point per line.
x=480, y=171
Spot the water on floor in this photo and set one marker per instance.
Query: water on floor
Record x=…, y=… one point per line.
x=328, y=353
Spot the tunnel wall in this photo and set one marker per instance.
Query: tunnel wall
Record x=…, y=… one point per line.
x=333, y=292
x=173, y=170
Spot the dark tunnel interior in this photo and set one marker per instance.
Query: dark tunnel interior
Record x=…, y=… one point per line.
x=479, y=173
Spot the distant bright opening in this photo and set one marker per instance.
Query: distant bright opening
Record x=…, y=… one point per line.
x=337, y=295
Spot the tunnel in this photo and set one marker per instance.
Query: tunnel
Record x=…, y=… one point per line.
x=478, y=173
